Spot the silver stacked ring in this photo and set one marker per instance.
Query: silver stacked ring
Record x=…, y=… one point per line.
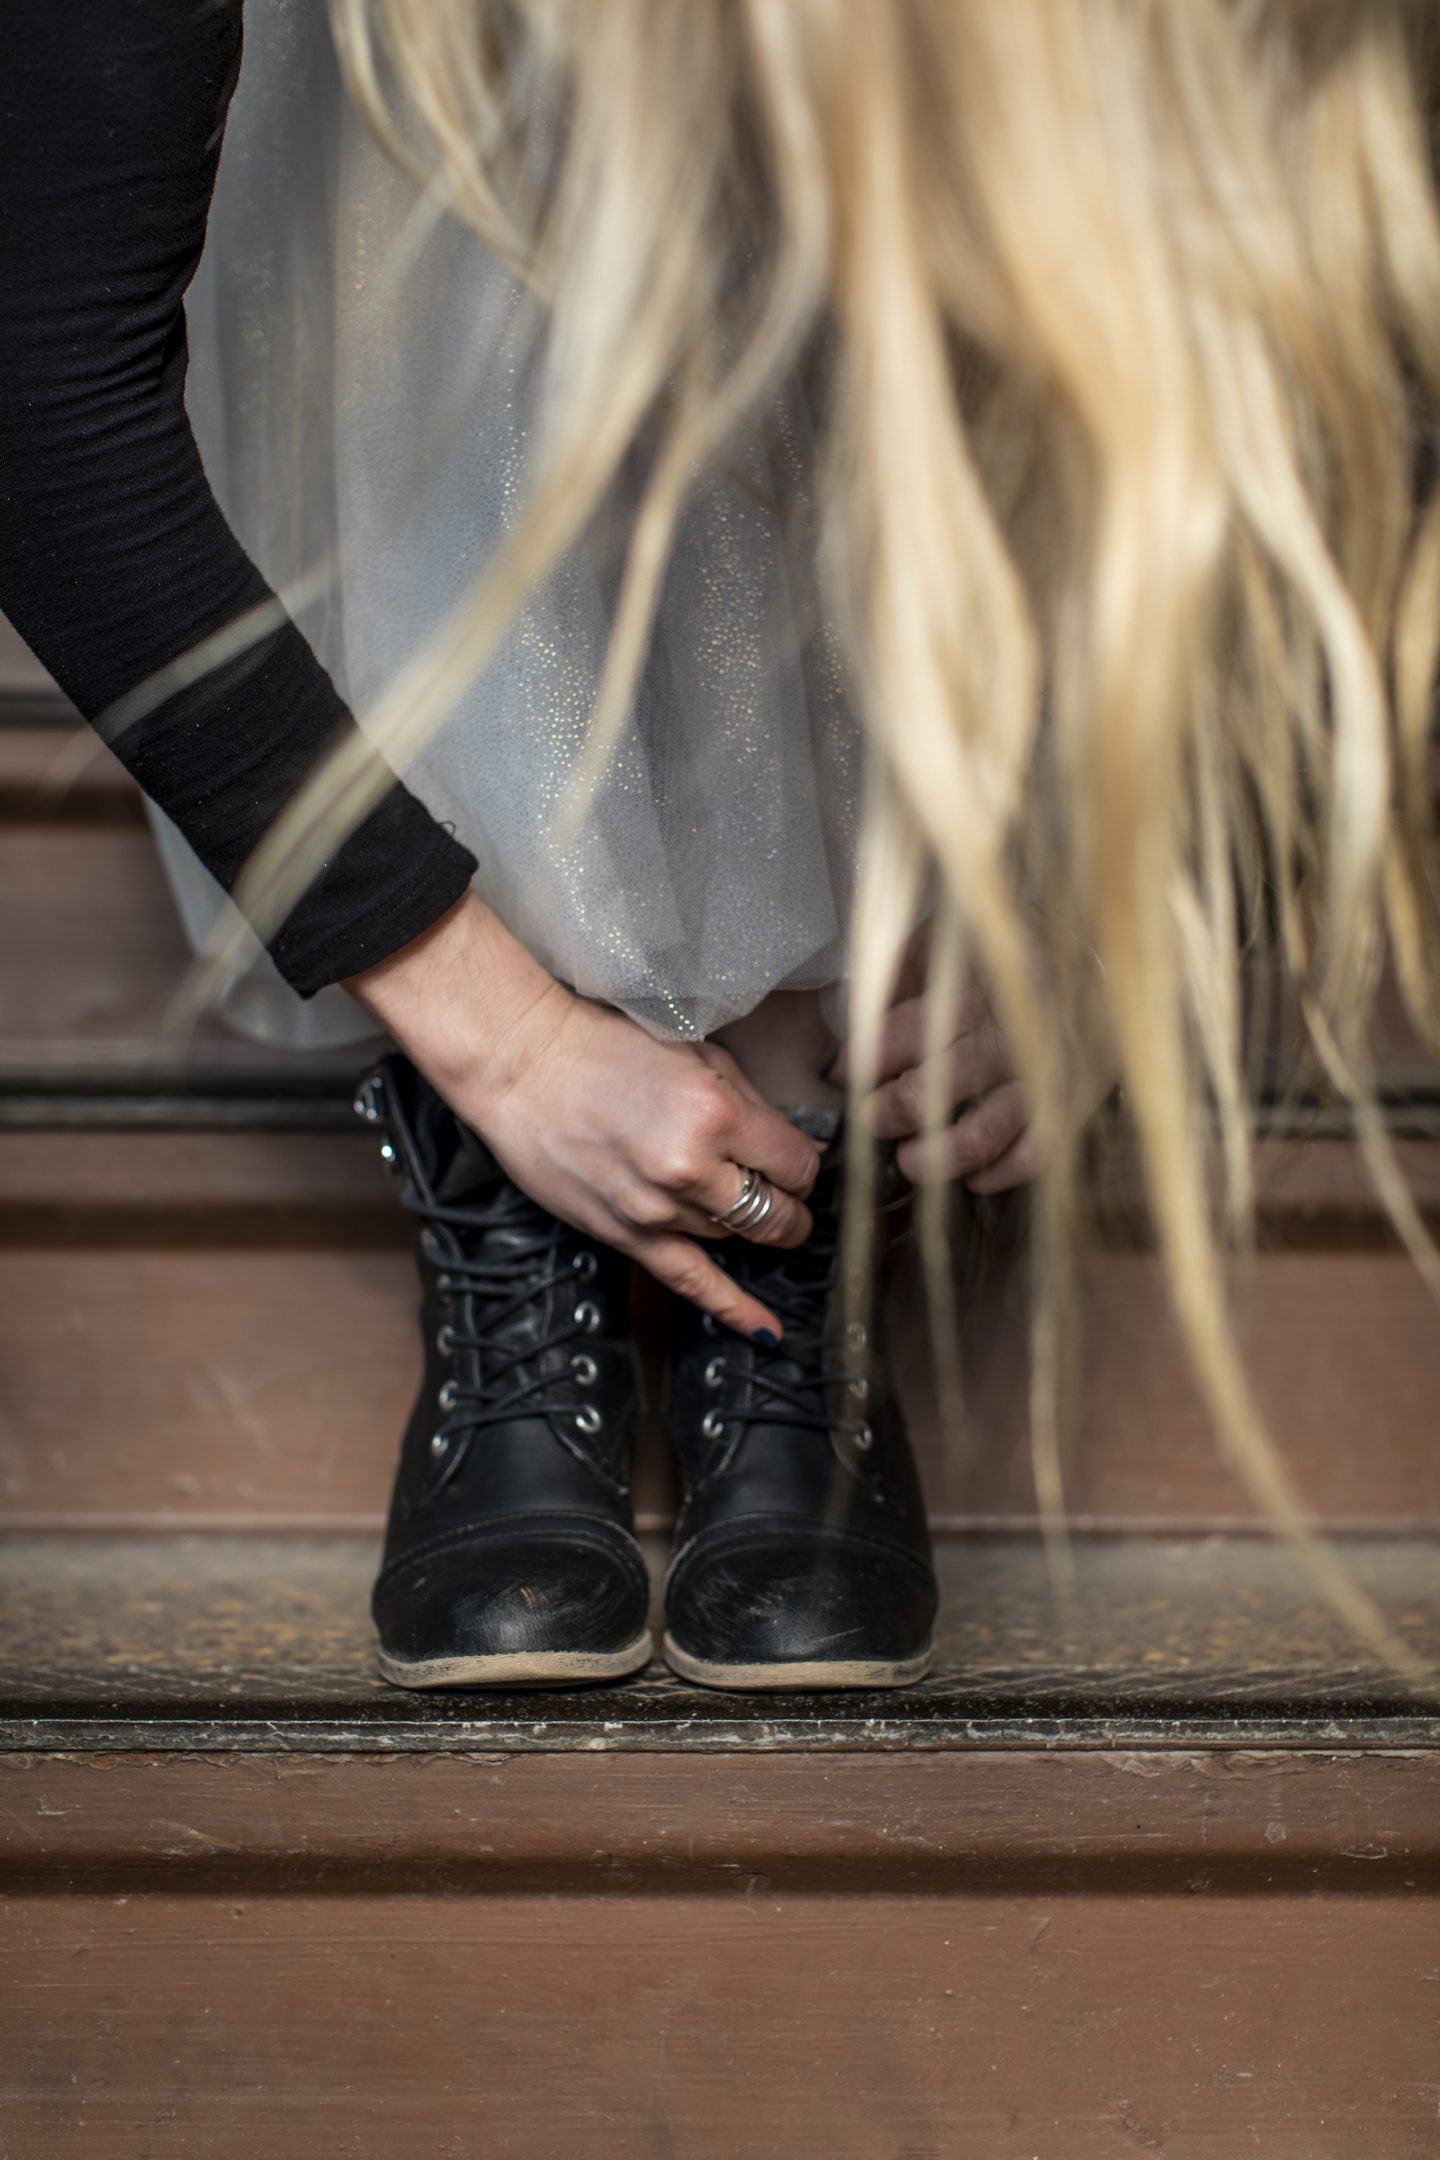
x=757, y=1197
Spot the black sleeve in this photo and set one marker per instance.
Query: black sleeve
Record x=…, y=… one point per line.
x=114, y=556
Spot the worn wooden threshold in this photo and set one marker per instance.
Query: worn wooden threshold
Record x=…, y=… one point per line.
x=234, y=1645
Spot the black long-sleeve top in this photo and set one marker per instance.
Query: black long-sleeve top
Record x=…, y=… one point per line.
x=115, y=558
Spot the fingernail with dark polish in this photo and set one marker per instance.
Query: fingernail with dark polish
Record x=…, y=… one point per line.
x=768, y=1337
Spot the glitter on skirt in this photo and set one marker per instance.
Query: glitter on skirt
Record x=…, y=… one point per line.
x=364, y=386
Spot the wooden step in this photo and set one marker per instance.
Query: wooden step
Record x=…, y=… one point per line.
x=1007, y=1952
x=149, y=1638
x=60, y=772
x=1159, y=1879
x=216, y=1328
x=95, y=955
x=85, y=984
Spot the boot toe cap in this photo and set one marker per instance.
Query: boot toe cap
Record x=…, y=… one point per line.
x=547, y=1607
x=800, y=1612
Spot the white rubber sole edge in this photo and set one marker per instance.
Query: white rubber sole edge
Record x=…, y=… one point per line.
x=816, y=1673
x=519, y=1668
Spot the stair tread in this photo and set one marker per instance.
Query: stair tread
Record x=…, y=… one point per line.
x=223, y=1642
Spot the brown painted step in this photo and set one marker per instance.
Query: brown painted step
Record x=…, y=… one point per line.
x=92, y=955
x=61, y=773
x=1014, y=1954
x=216, y=1328
x=94, y=950
x=1161, y=1879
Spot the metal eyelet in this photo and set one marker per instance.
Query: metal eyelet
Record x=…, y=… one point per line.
x=709, y=1324
x=439, y=1442
x=587, y=1316
x=856, y=1335
x=589, y=1419
x=447, y=1398
x=585, y=1265
x=445, y=1286
x=388, y=1155
x=715, y=1372
x=712, y=1425
x=445, y=1341
x=858, y=1388
x=585, y=1369
x=864, y=1440
x=367, y=1100
x=430, y=1245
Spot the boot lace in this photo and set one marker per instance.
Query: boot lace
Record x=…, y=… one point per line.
x=506, y=1282
x=800, y=1287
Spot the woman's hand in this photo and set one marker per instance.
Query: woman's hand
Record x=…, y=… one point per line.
x=634, y=1141
x=991, y=1145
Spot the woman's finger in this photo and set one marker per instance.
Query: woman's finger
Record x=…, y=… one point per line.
x=691, y=1273
x=788, y=1221
x=647, y=1211
x=759, y=1138
x=902, y=1036
x=976, y=1063
x=971, y=1144
x=1017, y=1166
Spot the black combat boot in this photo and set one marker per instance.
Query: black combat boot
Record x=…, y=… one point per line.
x=802, y=1557
x=510, y=1556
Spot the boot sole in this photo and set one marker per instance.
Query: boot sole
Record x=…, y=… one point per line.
x=812, y=1673
x=518, y=1668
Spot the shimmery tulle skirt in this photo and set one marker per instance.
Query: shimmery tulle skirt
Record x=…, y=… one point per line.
x=364, y=383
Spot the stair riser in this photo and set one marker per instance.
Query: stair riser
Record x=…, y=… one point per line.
x=1015, y=1955
x=148, y=1386
x=85, y=984
x=55, y=775
x=264, y=2029
x=103, y=942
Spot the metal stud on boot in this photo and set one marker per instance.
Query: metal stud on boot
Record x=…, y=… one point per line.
x=510, y=1554
x=802, y=1557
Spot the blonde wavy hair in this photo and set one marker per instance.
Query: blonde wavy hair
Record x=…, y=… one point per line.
x=1122, y=318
